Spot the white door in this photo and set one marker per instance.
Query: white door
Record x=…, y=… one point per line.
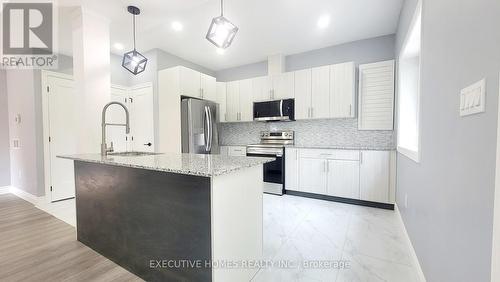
x=62, y=104
x=343, y=178
x=189, y=82
x=261, y=88
x=141, y=119
x=283, y=86
x=233, y=101
x=320, y=92
x=246, y=100
x=291, y=169
x=312, y=175
x=209, y=87
x=115, y=114
x=342, y=90
x=375, y=176
x=302, y=94
x=221, y=100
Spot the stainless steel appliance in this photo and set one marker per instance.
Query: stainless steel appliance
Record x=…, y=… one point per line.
x=278, y=110
x=199, y=126
x=272, y=144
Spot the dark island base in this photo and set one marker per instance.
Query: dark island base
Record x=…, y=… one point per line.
x=341, y=200
x=137, y=218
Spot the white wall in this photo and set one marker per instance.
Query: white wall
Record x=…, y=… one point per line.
x=21, y=100
x=4, y=132
x=450, y=192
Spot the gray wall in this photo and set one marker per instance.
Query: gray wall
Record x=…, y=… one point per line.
x=450, y=192
x=4, y=133
x=361, y=52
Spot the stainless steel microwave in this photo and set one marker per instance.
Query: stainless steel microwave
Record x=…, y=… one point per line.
x=277, y=110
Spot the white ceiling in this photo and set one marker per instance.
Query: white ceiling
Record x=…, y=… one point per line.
x=266, y=27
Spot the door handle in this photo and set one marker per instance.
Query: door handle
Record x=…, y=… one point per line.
x=148, y=144
x=206, y=128
x=210, y=129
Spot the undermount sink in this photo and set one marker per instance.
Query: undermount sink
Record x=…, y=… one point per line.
x=132, y=154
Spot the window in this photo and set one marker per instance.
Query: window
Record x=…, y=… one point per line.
x=409, y=91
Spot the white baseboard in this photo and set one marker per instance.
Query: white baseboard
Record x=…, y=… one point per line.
x=413, y=254
x=35, y=200
x=4, y=190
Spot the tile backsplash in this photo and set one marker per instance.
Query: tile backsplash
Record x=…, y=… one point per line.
x=313, y=133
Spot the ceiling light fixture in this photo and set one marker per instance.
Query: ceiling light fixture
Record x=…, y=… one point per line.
x=177, y=26
x=134, y=61
x=324, y=21
x=118, y=46
x=221, y=31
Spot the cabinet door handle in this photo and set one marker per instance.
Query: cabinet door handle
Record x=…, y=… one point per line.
x=350, y=110
x=327, y=166
x=312, y=112
x=361, y=157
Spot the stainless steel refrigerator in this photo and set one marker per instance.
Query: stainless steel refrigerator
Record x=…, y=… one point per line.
x=199, y=126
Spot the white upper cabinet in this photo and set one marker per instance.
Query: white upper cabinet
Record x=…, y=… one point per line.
x=320, y=92
x=283, y=86
x=342, y=90
x=276, y=87
x=189, y=82
x=302, y=94
x=375, y=176
x=261, y=88
x=221, y=100
x=208, y=87
x=233, y=101
x=195, y=84
x=246, y=100
x=376, y=96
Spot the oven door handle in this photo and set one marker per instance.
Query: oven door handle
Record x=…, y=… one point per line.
x=264, y=155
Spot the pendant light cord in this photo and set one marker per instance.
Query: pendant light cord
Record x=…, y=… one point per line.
x=134, y=32
x=222, y=8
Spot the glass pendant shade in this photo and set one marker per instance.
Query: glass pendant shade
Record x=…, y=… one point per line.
x=134, y=62
x=221, y=32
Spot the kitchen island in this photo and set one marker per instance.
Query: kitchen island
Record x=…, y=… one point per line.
x=172, y=217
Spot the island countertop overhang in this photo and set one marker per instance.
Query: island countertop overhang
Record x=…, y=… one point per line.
x=188, y=164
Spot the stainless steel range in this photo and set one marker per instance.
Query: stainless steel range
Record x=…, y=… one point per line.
x=272, y=144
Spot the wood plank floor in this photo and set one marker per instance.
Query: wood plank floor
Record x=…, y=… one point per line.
x=35, y=246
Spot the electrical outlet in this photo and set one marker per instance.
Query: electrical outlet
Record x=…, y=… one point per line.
x=406, y=201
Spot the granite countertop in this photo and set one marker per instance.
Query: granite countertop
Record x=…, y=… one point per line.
x=190, y=164
x=335, y=147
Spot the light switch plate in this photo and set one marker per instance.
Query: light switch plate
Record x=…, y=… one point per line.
x=472, y=99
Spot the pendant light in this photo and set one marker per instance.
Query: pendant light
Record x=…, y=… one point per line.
x=134, y=61
x=221, y=32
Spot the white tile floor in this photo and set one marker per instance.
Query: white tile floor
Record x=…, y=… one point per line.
x=299, y=229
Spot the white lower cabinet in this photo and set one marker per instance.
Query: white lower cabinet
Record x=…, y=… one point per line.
x=292, y=169
x=234, y=151
x=362, y=175
x=343, y=178
x=312, y=175
x=375, y=181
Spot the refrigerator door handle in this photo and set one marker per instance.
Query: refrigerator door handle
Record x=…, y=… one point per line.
x=206, y=128
x=210, y=129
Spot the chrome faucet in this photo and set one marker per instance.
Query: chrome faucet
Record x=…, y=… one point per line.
x=104, y=147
